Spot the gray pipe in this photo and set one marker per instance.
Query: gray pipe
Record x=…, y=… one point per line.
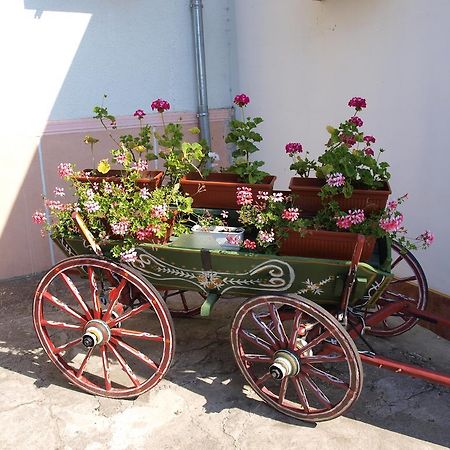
x=199, y=49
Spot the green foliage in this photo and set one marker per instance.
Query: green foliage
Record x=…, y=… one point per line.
x=243, y=135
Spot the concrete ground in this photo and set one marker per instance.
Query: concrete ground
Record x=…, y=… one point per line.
x=203, y=402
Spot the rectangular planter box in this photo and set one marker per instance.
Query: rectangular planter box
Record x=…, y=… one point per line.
x=213, y=237
x=218, y=190
x=306, y=191
x=325, y=244
x=151, y=179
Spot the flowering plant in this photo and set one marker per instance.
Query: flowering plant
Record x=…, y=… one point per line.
x=300, y=164
x=349, y=160
x=271, y=215
x=385, y=223
x=123, y=212
x=243, y=135
x=179, y=157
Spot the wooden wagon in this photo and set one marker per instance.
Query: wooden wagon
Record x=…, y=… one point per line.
x=108, y=326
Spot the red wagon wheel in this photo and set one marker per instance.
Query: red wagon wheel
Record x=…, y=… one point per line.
x=183, y=303
x=95, y=333
x=297, y=357
x=410, y=284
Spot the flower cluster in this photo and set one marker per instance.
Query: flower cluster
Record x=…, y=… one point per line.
x=270, y=215
x=385, y=223
x=122, y=210
x=241, y=100
x=160, y=105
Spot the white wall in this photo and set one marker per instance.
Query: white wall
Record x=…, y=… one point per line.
x=301, y=60
x=60, y=57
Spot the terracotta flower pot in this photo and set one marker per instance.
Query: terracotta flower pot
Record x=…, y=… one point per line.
x=325, y=244
x=306, y=191
x=151, y=179
x=218, y=190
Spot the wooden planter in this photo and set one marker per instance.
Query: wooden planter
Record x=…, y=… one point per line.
x=218, y=190
x=306, y=192
x=325, y=244
x=151, y=179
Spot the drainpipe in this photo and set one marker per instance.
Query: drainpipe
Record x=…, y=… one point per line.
x=199, y=49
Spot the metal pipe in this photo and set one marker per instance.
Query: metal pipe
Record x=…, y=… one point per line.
x=199, y=50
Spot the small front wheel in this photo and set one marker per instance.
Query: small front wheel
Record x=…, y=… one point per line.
x=96, y=329
x=297, y=357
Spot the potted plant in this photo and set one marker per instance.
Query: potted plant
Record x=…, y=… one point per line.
x=217, y=190
x=121, y=215
x=333, y=233
x=139, y=151
x=348, y=171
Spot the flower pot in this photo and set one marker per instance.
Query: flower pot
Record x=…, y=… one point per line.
x=306, y=192
x=151, y=179
x=218, y=190
x=212, y=237
x=325, y=244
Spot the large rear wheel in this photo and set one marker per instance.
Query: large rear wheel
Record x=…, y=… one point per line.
x=409, y=284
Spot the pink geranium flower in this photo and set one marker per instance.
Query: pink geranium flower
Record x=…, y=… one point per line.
x=293, y=147
x=38, y=218
x=139, y=113
x=241, y=100
x=358, y=103
x=244, y=196
x=160, y=105
x=355, y=120
x=335, y=179
x=65, y=170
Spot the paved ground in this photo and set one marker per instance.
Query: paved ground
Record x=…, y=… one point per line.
x=203, y=403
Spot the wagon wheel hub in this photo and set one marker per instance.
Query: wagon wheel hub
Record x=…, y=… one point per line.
x=285, y=364
x=96, y=332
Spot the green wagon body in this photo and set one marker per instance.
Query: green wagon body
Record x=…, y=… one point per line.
x=231, y=273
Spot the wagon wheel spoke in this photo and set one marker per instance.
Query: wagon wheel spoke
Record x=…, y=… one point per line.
x=126, y=368
x=278, y=324
x=253, y=358
x=316, y=341
x=123, y=332
x=106, y=369
x=94, y=293
x=114, y=296
x=54, y=324
x=265, y=329
x=83, y=365
x=256, y=340
x=319, y=359
x=70, y=344
x=136, y=353
x=295, y=328
x=283, y=389
x=63, y=307
x=301, y=394
x=314, y=371
x=395, y=263
x=76, y=294
x=128, y=315
x=262, y=380
x=316, y=391
x=404, y=280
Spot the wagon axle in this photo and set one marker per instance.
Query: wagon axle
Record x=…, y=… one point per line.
x=96, y=332
x=285, y=364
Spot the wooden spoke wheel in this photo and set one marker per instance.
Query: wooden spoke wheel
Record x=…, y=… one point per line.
x=409, y=284
x=184, y=303
x=303, y=363
x=95, y=334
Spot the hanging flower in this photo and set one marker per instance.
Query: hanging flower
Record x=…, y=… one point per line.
x=335, y=179
x=129, y=256
x=291, y=214
x=244, y=196
x=65, y=170
x=38, y=218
